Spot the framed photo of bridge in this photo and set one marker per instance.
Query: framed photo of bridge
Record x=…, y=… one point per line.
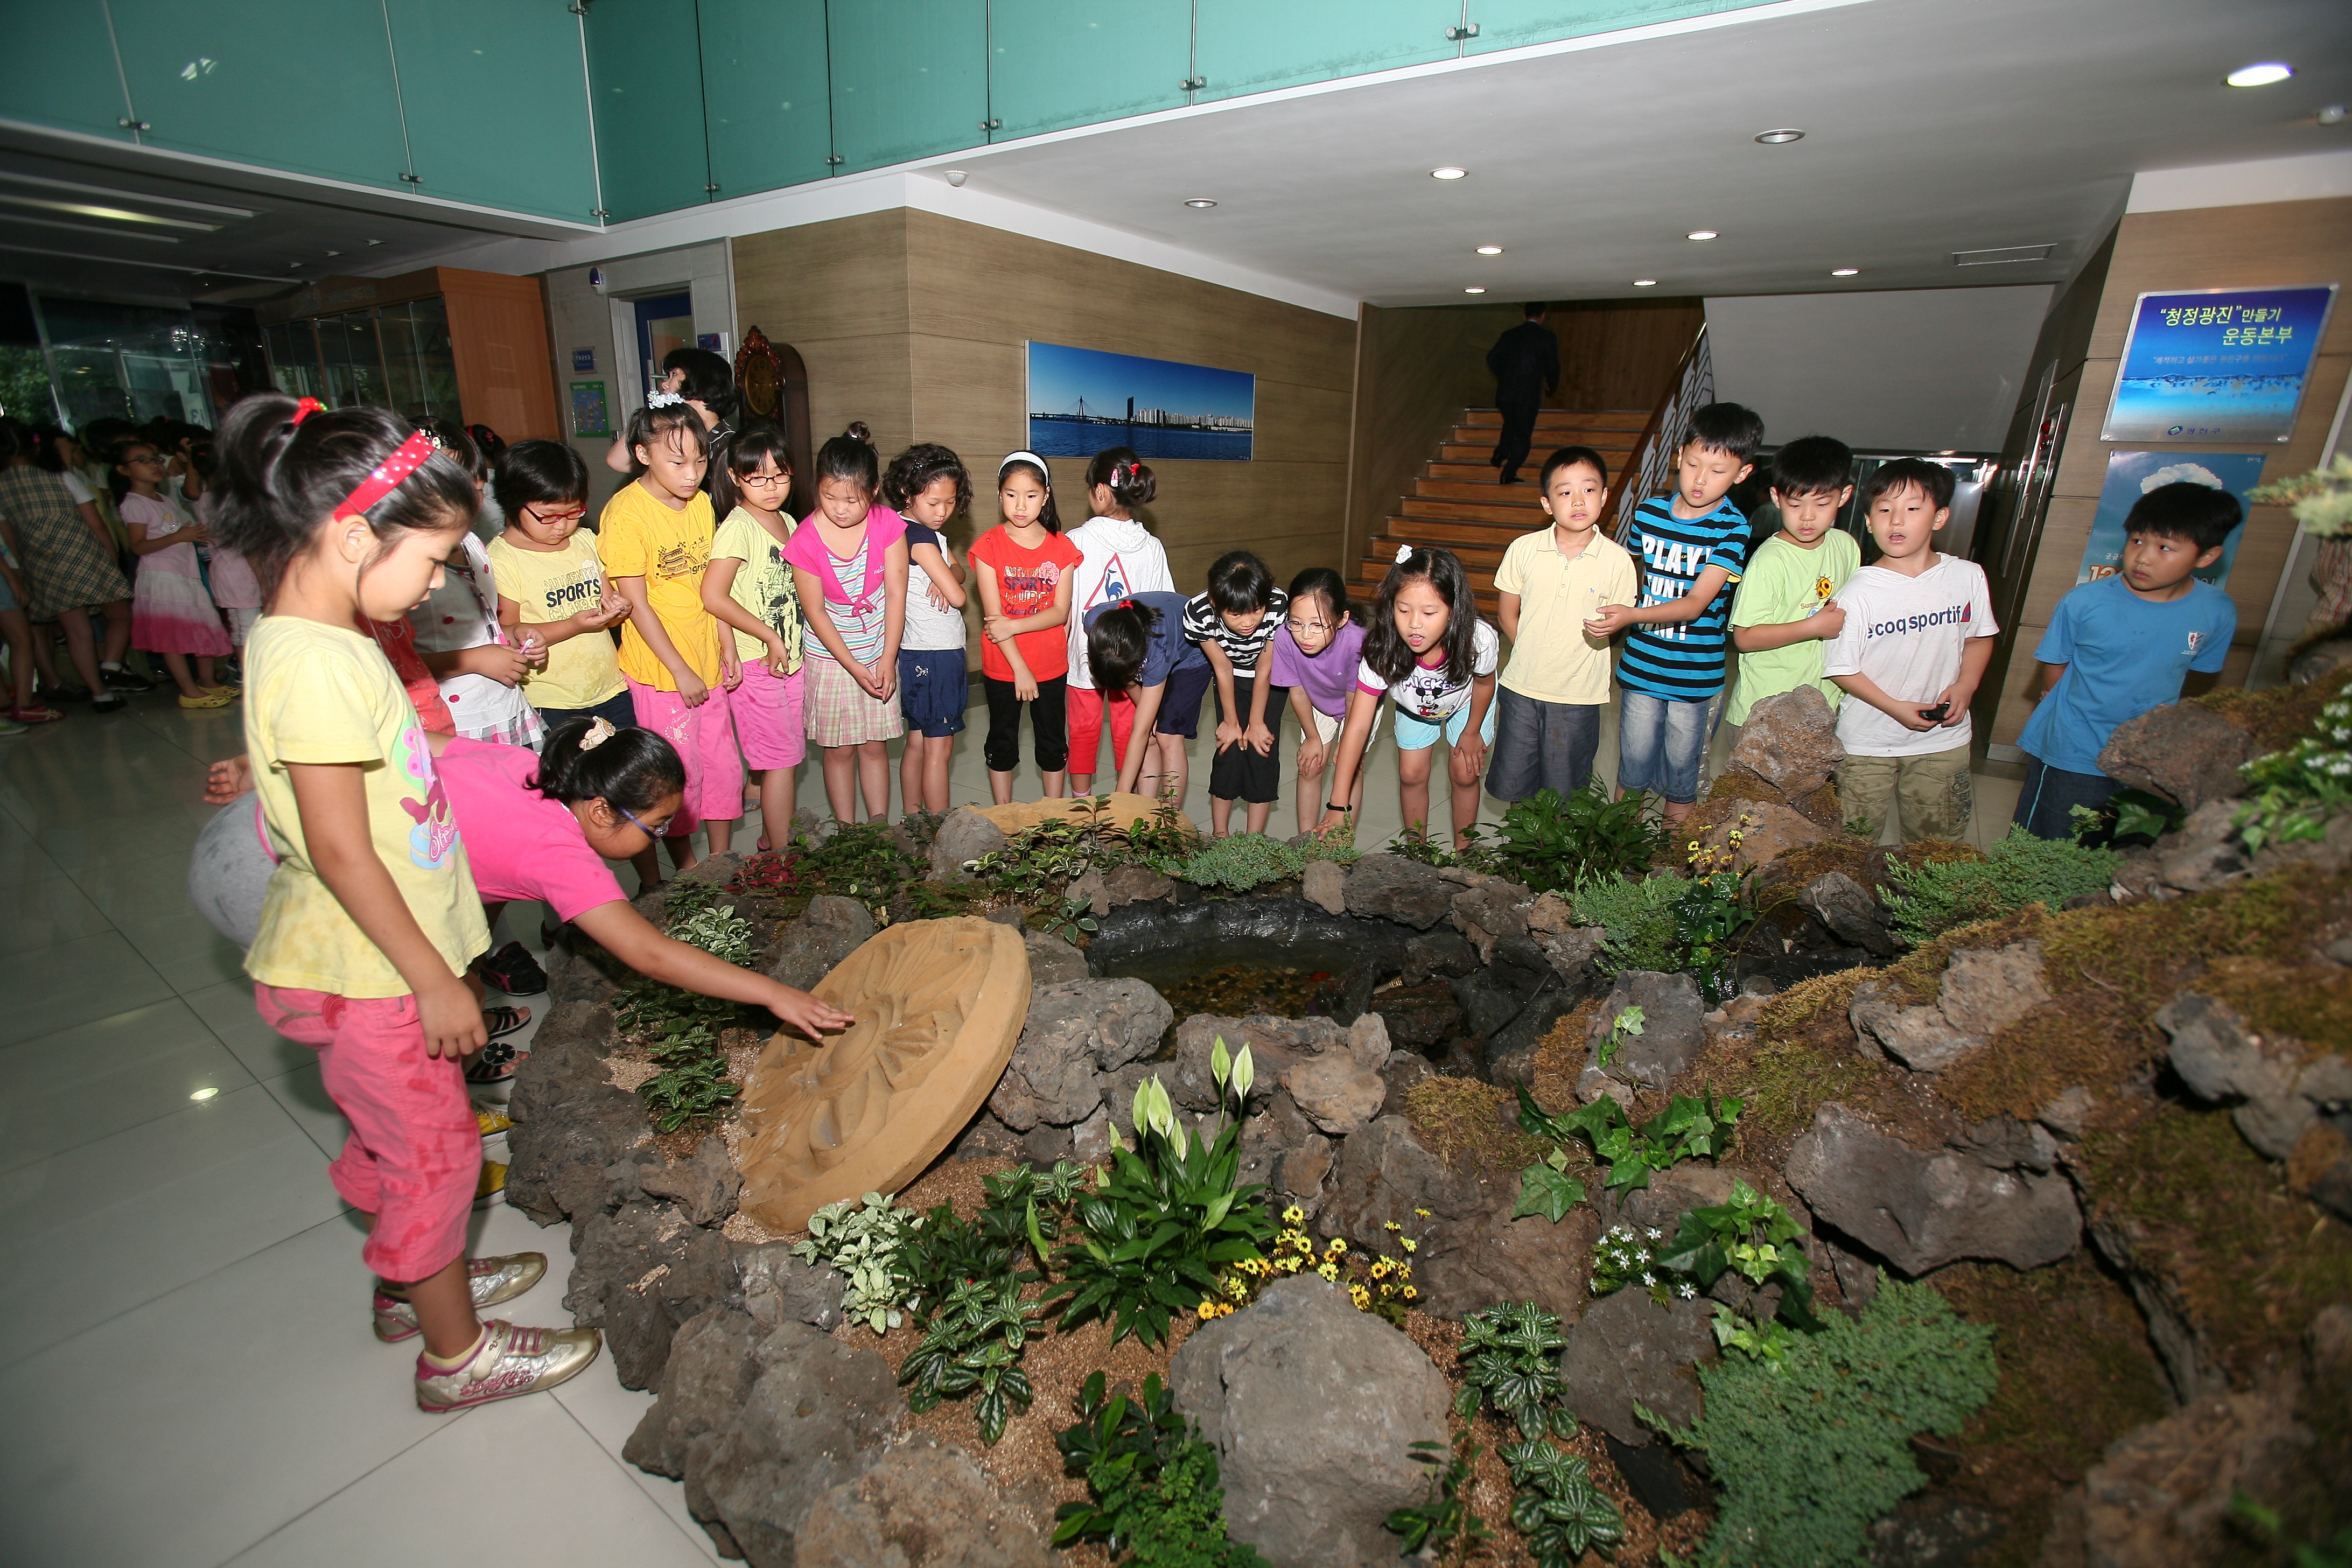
x=1083, y=400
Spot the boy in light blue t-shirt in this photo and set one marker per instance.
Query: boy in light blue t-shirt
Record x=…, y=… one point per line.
x=2122, y=644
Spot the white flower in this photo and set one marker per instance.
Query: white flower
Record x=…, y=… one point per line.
x=1685, y=1291
x=1649, y=1279
x=663, y=400
x=1654, y=1234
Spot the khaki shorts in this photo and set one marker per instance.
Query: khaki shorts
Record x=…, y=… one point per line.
x=1930, y=795
x=1326, y=729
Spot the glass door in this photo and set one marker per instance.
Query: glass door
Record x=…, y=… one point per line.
x=663, y=324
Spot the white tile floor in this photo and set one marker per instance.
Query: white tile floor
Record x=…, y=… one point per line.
x=186, y=1364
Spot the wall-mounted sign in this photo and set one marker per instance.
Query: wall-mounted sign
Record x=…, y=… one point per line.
x=2131, y=475
x=1083, y=400
x=582, y=361
x=2217, y=364
x=590, y=415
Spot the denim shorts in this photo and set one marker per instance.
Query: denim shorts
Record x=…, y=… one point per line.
x=1419, y=735
x=933, y=688
x=1541, y=746
x=1662, y=744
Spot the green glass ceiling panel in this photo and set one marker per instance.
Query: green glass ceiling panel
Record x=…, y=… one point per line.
x=497, y=108
x=1248, y=45
x=909, y=78
x=1508, y=24
x=59, y=70
x=1053, y=64
x=644, y=70
x=764, y=93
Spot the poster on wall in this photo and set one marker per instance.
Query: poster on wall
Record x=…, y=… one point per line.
x=589, y=415
x=2217, y=364
x=2131, y=475
x=1083, y=400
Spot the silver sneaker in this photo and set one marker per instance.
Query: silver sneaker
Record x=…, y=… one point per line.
x=493, y=1280
x=508, y=1361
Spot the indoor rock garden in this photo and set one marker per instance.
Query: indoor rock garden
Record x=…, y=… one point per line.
x=1753, y=1196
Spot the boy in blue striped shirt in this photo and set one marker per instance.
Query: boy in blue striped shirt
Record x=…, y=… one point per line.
x=1692, y=546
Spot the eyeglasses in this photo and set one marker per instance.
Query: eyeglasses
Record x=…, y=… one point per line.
x=651, y=832
x=765, y=481
x=150, y=457
x=551, y=518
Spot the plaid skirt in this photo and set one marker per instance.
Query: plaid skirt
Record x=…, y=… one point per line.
x=65, y=567
x=840, y=712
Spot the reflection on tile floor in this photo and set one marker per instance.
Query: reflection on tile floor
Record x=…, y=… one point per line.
x=184, y=1353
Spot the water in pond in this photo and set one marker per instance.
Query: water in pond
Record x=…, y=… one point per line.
x=1239, y=989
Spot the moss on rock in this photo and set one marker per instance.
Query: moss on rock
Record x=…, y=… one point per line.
x=2277, y=716
x=1471, y=1126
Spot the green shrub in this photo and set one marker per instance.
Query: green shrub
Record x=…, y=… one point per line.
x=1667, y=924
x=1930, y=899
x=2297, y=790
x=1809, y=1450
x=1243, y=861
x=1152, y=1487
x=1638, y=915
x=1552, y=842
x=866, y=1241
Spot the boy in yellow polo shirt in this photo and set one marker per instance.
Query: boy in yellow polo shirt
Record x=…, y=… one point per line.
x=1547, y=724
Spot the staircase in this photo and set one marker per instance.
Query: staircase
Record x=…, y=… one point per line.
x=1458, y=504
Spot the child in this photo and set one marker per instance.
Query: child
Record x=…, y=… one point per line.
x=655, y=541
x=1316, y=653
x=2122, y=644
x=68, y=564
x=25, y=708
x=1234, y=622
x=1025, y=584
x=1917, y=636
x=1427, y=649
x=171, y=612
x=1118, y=559
x=372, y=916
x=1137, y=649
x=750, y=587
x=928, y=485
x=553, y=600
x=480, y=669
x=1694, y=545
x=1549, y=585
x=236, y=592
x=850, y=556
x=1783, y=616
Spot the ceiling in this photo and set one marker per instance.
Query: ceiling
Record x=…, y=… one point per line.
x=1932, y=126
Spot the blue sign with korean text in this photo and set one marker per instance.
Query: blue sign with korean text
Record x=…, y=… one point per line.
x=2217, y=364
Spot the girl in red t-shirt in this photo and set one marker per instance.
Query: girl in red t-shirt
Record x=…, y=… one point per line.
x=1022, y=568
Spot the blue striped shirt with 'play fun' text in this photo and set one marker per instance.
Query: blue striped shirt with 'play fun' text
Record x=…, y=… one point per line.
x=1682, y=662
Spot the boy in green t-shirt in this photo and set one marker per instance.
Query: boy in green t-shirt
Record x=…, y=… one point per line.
x=1784, y=614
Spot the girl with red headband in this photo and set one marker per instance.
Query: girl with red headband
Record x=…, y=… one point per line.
x=372, y=916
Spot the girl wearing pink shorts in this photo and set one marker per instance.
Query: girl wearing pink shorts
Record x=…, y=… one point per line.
x=748, y=586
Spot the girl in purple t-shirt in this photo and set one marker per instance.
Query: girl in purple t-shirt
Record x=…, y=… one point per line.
x=1315, y=654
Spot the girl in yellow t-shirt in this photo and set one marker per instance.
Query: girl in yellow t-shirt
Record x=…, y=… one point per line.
x=654, y=539
x=372, y=916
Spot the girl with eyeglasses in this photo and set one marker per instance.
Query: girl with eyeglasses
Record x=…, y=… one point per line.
x=750, y=587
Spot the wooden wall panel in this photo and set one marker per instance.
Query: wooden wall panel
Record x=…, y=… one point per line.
x=1620, y=353
x=497, y=335
x=1416, y=369
x=2269, y=245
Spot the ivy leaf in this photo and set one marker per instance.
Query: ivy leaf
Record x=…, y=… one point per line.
x=1546, y=1192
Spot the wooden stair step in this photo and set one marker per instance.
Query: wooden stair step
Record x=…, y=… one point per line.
x=1425, y=530
x=1629, y=420
x=1489, y=489
x=1508, y=514
x=1477, y=451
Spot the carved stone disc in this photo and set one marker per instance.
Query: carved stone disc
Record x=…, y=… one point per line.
x=939, y=1006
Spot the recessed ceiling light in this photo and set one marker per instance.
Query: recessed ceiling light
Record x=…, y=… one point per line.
x=1474, y=290
x=1700, y=234
x=376, y=242
x=1203, y=202
x=1448, y=173
x=1845, y=271
x=1645, y=282
x=335, y=253
x=1490, y=251
x=2263, y=73
x=1776, y=138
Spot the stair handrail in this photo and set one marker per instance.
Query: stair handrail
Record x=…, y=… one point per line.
x=1646, y=471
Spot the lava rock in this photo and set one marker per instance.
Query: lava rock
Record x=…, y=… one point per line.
x=1437, y=953
x=964, y=836
x=2184, y=750
x=2203, y=853
x=1404, y=1069
x=705, y=1186
x=1124, y=885
x=1490, y=910
x=1335, y=1093
x=1324, y=883
x=1767, y=831
x=2320, y=1168
x=2280, y=1089
x=1390, y=886
x=1933, y=1531
x=1074, y=1031
x=820, y=1413
x=925, y=1506
x=779, y=1288
x=1312, y=1407
x=569, y=1124
x=2162, y=1494
x=1627, y=1350
x=713, y=1362
x=2190, y=1362
x=1574, y=954
x=1420, y=1017
x=1051, y=961
x=640, y=1272
x=1673, y=1032
x=1982, y=991
x=1920, y=1209
x=1851, y=911
x=1790, y=741
x=1276, y=1046
x=807, y=950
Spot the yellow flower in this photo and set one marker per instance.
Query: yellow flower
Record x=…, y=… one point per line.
x=1391, y=1224
x=1422, y=1213
x=1330, y=1271
x=1295, y=1215
x=1207, y=1309
x=1410, y=1245
x=1336, y=1246
x=1410, y=1293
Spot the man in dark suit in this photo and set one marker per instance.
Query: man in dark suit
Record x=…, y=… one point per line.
x=1526, y=363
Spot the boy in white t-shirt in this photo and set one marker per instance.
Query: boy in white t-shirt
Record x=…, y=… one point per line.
x=1917, y=636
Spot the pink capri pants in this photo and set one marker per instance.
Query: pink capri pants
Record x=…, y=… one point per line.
x=704, y=740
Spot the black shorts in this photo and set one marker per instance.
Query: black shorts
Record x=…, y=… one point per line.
x=1239, y=772
x=1048, y=723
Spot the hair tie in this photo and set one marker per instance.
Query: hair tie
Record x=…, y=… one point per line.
x=305, y=408
x=1031, y=458
x=663, y=400
x=599, y=732
x=1403, y=554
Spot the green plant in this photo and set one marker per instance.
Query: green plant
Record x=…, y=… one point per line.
x=2322, y=498
x=1151, y=1484
x=1627, y=1025
x=1691, y=1127
x=676, y=1095
x=973, y=1345
x=1052, y=854
x=866, y=1241
x=1809, y=1449
x=1071, y=920
x=2128, y=814
x=2295, y=792
x=1164, y=1216
x=1556, y=1506
x=1509, y=1361
x=1553, y=842
x=2335, y=1553
x=1931, y=899
x=1623, y=1255
x=1753, y=1236
x=1242, y=862
x=1711, y=915
x=686, y=898
x=722, y=933
x=1443, y=1522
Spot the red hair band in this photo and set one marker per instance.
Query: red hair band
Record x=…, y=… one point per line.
x=405, y=460
x=305, y=408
